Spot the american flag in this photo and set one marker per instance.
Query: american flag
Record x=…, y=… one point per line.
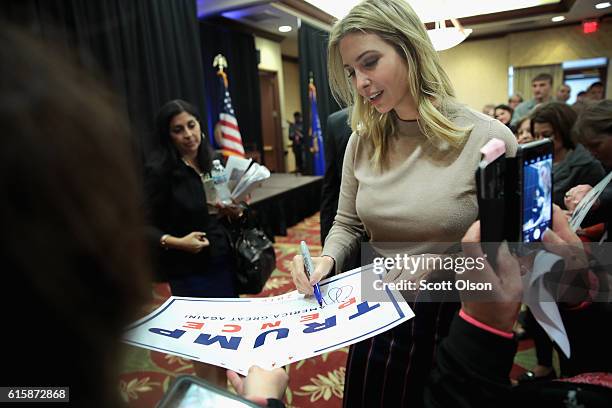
x=231, y=142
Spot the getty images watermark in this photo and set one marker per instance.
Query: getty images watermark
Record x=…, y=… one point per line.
x=424, y=271
x=441, y=272
x=408, y=267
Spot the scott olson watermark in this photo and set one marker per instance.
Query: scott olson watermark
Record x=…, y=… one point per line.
x=424, y=285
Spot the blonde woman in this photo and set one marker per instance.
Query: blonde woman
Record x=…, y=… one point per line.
x=408, y=176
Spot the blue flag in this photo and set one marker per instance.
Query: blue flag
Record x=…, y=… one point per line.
x=315, y=133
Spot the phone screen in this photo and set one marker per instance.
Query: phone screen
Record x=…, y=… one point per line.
x=189, y=393
x=537, y=196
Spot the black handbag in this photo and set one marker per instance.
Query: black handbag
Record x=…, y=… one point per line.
x=253, y=253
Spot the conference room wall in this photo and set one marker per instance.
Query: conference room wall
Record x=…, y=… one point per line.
x=479, y=68
x=478, y=71
x=271, y=60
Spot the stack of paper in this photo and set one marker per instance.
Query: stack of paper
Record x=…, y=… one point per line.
x=587, y=202
x=249, y=180
x=235, y=169
x=243, y=175
x=541, y=301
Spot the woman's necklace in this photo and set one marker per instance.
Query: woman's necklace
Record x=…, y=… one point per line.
x=206, y=184
x=193, y=166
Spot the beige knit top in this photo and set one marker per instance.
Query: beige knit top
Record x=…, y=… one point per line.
x=425, y=194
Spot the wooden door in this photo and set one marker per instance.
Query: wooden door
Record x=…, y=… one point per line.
x=272, y=134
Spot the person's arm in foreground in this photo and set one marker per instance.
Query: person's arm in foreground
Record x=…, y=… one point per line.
x=263, y=387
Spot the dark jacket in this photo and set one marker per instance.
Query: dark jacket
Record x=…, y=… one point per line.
x=176, y=204
x=603, y=213
x=473, y=368
x=580, y=167
x=336, y=139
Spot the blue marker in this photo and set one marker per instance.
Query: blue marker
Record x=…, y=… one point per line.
x=309, y=268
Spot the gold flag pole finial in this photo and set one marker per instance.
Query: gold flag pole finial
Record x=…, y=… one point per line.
x=220, y=62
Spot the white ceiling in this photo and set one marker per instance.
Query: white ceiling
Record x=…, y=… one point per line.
x=268, y=15
x=581, y=9
x=432, y=10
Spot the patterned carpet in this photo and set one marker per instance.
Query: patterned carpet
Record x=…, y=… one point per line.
x=146, y=375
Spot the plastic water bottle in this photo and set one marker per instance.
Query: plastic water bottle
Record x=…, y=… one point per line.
x=220, y=181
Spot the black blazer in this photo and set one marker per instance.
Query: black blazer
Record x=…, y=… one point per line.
x=176, y=205
x=603, y=213
x=336, y=139
x=473, y=367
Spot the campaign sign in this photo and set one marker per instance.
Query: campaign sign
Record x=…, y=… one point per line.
x=237, y=333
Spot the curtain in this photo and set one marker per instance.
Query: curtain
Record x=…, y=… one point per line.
x=147, y=50
x=522, y=77
x=312, y=48
x=243, y=78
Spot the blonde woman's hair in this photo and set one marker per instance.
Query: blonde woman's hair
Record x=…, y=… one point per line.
x=396, y=23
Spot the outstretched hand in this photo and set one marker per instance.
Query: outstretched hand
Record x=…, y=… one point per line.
x=574, y=195
x=260, y=384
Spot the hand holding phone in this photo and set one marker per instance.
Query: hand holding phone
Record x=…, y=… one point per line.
x=254, y=390
x=260, y=383
x=189, y=391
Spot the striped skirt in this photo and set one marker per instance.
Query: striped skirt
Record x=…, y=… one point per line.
x=391, y=369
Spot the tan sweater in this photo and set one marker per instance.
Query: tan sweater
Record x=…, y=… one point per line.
x=424, y=195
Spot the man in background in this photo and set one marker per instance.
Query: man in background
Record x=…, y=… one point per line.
x=296, y=136
x=563, y=93
x=515, y=100
x=541, y=87
x=595, y=92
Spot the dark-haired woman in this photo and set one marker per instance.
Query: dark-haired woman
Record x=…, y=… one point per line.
x=594, y=129
x=573, y=164
x=192, y=244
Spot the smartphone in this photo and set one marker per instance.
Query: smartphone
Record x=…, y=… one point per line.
x=490, y=182
x=188, y=391
x=531, y=186
x=490, y=185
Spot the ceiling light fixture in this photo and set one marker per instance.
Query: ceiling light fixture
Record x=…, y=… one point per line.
x=604, y=5
x=557, y=19
x=285, y=29
x=443, y=37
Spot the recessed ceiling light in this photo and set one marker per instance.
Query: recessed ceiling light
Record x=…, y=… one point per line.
x=557, y=19
x=604, y=5
x=284, y=29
